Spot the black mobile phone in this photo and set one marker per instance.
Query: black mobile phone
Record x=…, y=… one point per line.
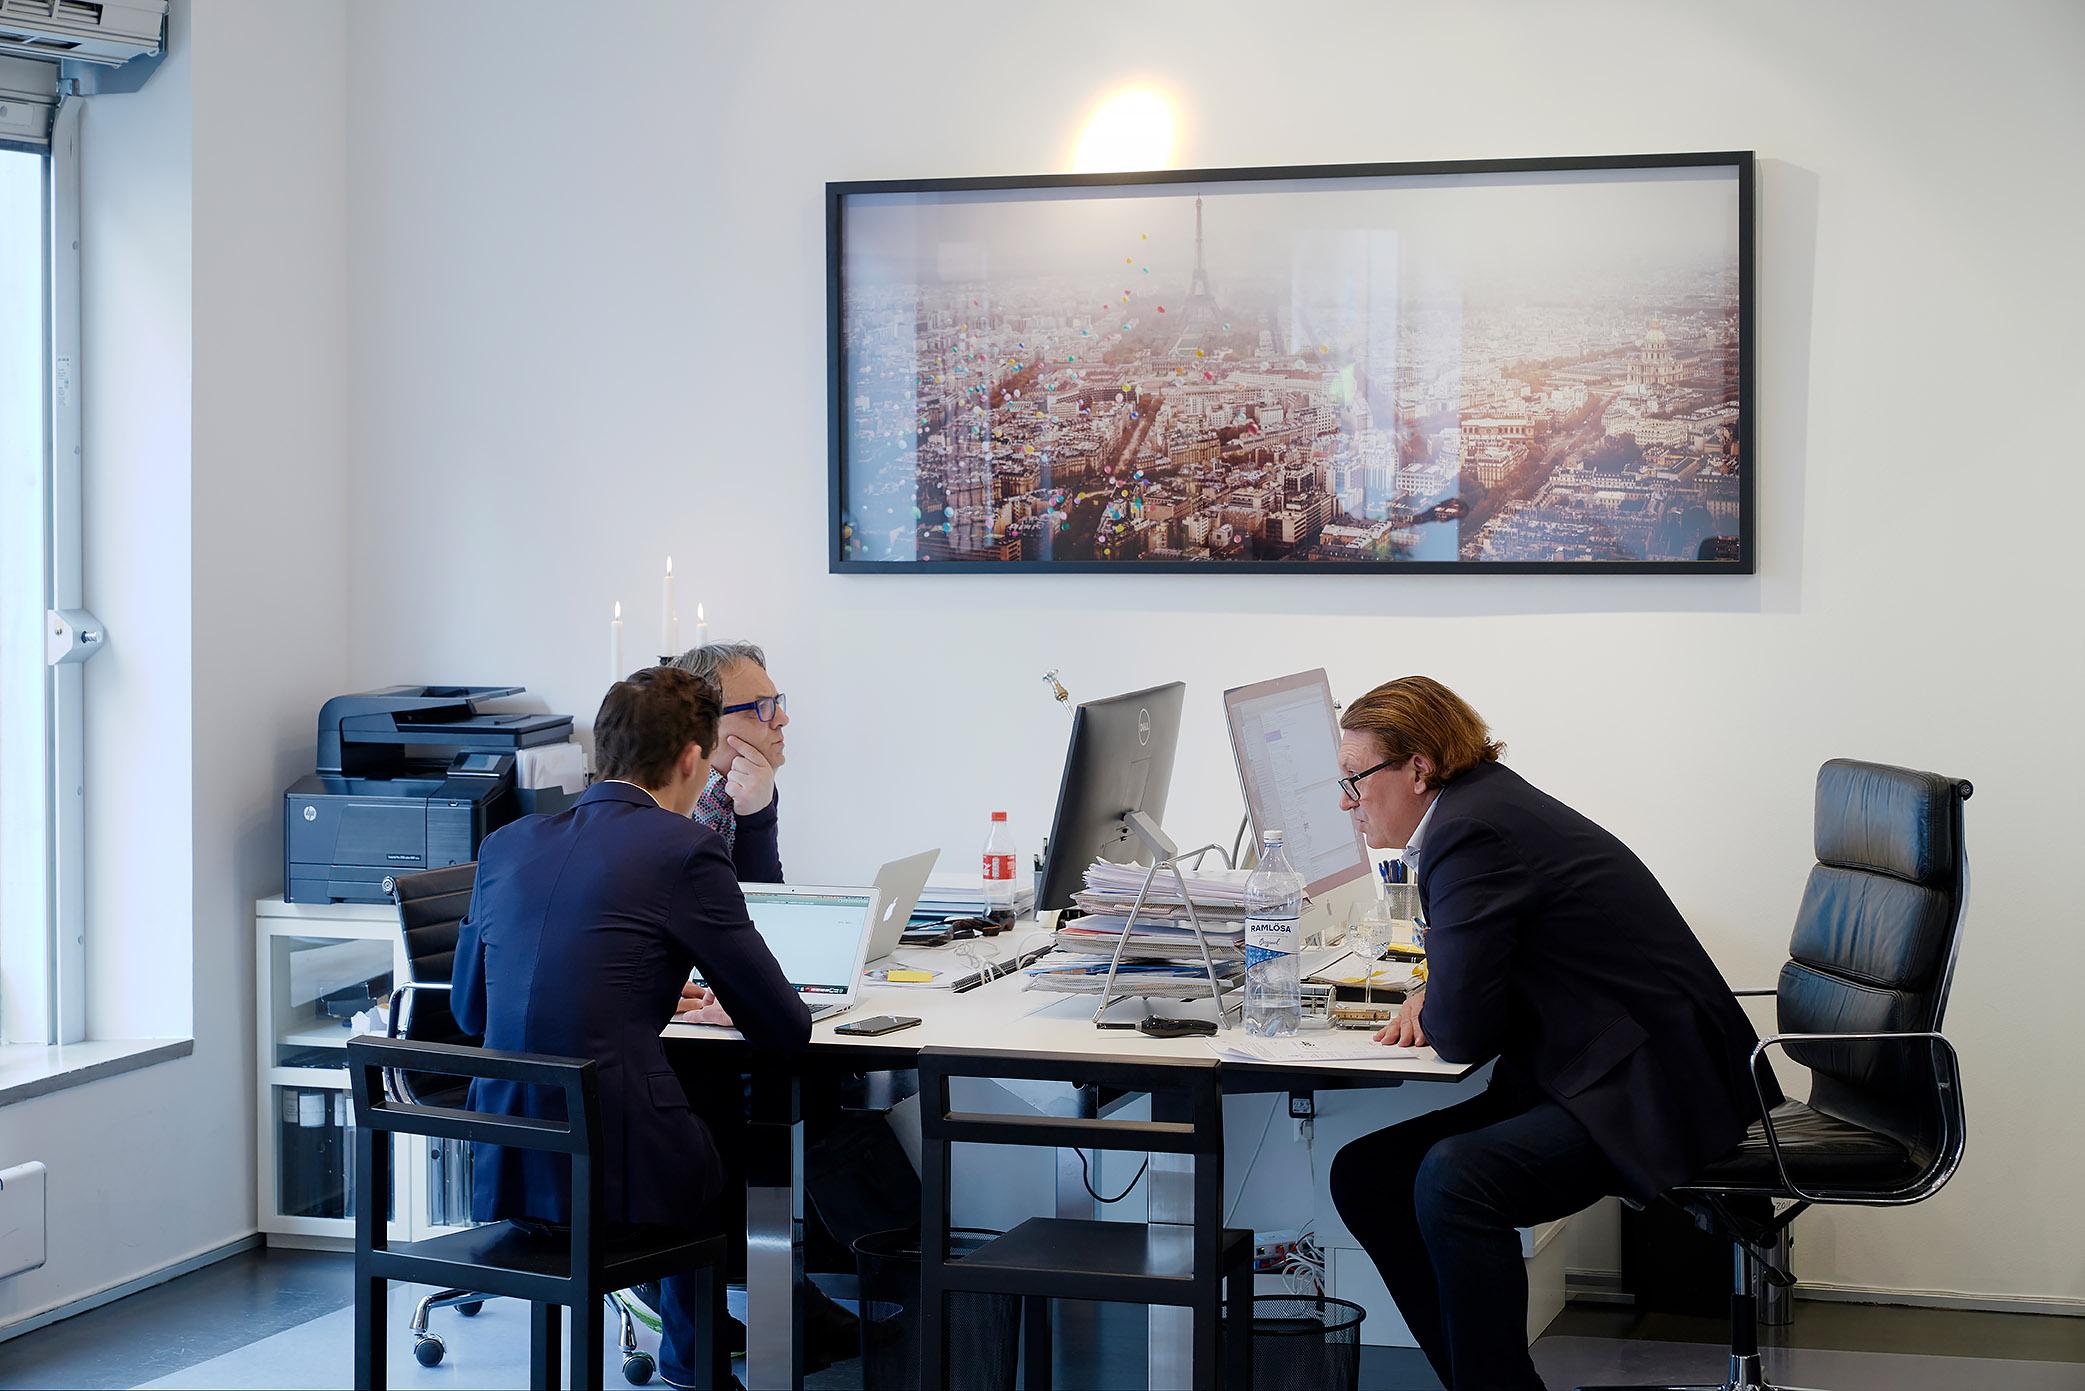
x=1157, y=1027
x=876, y=1024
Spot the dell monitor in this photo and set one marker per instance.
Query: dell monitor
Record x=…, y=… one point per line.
x=1286, y=741
x=1120, y=760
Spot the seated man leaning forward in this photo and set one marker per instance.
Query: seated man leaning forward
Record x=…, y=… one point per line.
x=583, y=930
x=739, y=801
x=1621, y=1054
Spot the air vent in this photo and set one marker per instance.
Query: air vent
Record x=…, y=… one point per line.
x=111, y=32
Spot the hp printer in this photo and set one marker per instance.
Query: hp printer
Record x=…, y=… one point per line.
x=408, y=778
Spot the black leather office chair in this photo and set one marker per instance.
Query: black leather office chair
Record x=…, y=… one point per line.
x=1860, y=1004
x=574, y=1267
x=431, y=909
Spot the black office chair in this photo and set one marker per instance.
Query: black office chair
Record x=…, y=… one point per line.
x=1860, y=1004
x=431, y=909
x=574, y=1268
x=1045, y=1258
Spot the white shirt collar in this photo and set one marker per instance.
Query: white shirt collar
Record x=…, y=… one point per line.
x=657, y=803
x=1416, y=844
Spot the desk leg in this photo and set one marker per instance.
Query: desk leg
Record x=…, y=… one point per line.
x=1169, y=1198
x=774, y=1234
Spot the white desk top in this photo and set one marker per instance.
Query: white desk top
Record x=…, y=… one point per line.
x=1002, y=1015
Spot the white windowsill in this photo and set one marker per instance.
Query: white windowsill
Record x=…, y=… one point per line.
x=30, y=1069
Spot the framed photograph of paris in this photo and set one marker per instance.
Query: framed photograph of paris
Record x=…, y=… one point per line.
x=1493, y=365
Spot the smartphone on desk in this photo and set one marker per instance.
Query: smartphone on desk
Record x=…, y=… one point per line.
x=876, y=1025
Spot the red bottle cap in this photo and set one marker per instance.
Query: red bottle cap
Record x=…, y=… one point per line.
x=999, y=816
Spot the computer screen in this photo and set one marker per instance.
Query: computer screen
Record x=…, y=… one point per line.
x=816, y=938
x=1286, y=741
x=1120, y=760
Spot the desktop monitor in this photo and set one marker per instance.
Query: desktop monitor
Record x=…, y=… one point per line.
x=1286, y=740
x=1120, y=760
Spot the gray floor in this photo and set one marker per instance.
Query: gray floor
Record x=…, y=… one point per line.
x=281, y=1319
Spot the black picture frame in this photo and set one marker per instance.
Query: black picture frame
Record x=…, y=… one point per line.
x=1742, y=562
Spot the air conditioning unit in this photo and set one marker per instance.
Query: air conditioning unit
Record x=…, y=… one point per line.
x=111, y=32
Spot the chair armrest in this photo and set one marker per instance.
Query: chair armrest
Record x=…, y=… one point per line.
x=393, y=1015
x=1949, y=1150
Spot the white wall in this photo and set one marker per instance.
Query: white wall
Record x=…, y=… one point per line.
x=214, y=208
x=587, y=330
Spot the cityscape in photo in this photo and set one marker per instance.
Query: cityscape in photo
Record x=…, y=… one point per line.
x=1512, y=368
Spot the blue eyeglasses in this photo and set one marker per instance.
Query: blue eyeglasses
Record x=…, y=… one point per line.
x=764, y=709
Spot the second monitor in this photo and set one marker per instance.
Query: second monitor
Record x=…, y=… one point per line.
x=1120, y=760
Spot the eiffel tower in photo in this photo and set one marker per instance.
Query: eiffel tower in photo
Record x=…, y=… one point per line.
x=1201, y=304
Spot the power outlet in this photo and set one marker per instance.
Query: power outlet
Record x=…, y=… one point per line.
x=22, y=1245
x=1303, y=1106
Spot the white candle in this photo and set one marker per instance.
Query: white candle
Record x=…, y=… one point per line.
x=701, y=627
x=615, y=645
x=669, y=618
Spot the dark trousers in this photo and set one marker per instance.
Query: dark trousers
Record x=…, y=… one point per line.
x=1435, y=1202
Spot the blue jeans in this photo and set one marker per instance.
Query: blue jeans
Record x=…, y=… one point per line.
x=1436, y=1202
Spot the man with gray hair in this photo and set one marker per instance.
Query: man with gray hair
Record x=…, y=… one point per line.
x=739, y=802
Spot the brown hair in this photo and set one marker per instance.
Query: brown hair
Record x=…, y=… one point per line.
x=646, y=720
x=1417, y=714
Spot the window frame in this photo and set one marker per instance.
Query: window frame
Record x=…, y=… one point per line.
x=43, y=955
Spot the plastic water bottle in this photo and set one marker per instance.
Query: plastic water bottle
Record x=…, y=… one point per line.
x=999, y=872
x=1273, y=971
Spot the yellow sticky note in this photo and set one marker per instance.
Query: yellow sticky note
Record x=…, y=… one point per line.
x=910, y=977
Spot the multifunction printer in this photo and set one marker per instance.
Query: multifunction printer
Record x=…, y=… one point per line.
x=407, y=778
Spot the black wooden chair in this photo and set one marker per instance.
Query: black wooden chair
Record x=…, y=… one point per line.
x=1206, y=1268
x=1860, y=1004
x=431, y=909
x=575, y=1267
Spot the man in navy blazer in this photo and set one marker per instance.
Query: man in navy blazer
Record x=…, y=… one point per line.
x=583, y=930
x=1622, y=1056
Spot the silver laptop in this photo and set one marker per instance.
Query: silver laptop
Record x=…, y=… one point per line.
x=898, y=887
x=819, y=937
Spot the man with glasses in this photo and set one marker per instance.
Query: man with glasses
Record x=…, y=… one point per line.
x=1622, y=1057
x=739, y=802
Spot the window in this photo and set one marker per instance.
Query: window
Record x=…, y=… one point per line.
x=24, y=517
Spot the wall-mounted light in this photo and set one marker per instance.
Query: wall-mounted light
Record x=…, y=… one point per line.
x=1130, y=129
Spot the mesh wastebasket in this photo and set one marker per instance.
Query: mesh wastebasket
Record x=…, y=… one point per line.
x=1305, y=1342
x=984, y=1330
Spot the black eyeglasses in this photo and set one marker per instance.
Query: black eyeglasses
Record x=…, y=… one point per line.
x=1350, y=788
x=764, y=709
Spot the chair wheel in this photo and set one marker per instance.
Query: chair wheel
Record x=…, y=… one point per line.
x=638, y=1368
x=470, y=1310
x=428, y=1351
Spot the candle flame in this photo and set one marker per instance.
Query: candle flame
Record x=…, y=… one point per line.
x=698, y=614
x=618, y=609
x=669, y=564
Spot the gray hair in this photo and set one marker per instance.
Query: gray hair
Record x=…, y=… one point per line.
x=711, y=660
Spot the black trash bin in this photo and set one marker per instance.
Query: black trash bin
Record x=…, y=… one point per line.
x=984, y=1330
x=1305, y=1342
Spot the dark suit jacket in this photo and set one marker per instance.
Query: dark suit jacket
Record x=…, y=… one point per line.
x=583, y=927
x=1551, y=947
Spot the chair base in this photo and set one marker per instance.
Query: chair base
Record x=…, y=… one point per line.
x=1746, y=1374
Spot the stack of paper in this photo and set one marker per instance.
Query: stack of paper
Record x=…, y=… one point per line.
x=1222, y=890
x=948, y=895
x=1161, y=955
x=1087, y=976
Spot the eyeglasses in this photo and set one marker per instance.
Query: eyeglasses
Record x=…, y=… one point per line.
x=1350, y=787
x=764, y=709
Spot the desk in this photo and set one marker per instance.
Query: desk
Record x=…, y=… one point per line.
x=999, y=1015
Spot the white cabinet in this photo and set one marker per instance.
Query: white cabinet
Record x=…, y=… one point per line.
x=304, y=1122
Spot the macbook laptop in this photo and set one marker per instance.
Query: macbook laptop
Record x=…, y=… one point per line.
x=820, y=939
x=898, y=887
